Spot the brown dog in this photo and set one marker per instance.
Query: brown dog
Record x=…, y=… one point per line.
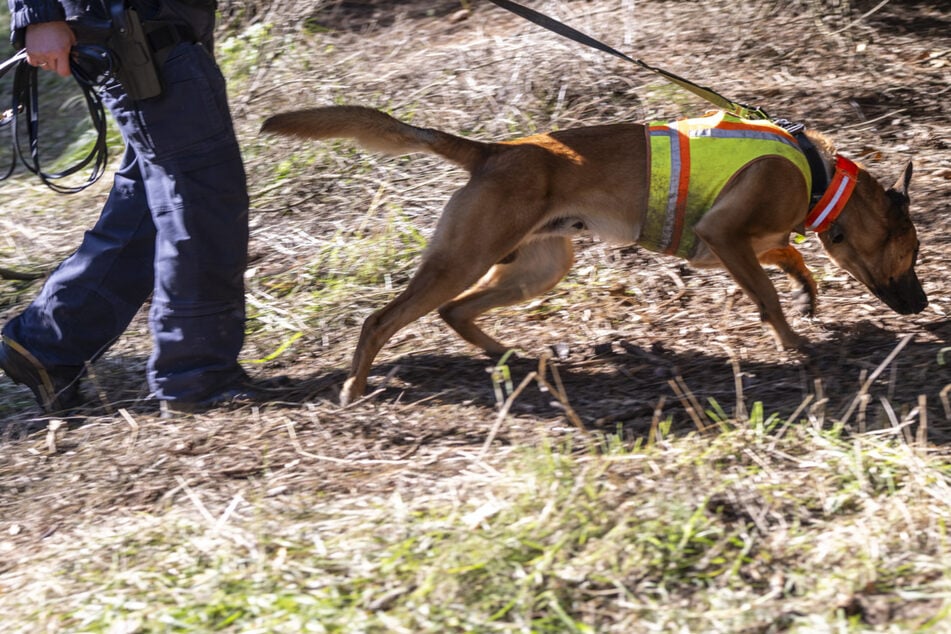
x=505, y=236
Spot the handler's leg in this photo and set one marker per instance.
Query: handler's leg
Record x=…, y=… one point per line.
x=196, y=186
x=88, y=301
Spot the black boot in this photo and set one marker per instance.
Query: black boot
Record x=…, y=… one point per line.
x=244, y=390
x=56, y=389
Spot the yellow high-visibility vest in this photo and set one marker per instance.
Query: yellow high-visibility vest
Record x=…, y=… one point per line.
x=691, y=162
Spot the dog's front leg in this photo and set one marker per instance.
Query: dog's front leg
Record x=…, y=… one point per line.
x=790, y=261
x=739, y=259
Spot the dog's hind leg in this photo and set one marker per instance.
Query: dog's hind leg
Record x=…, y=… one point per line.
x=436, y=282
x=468, y=241
x=789, y=259
x=537, y=266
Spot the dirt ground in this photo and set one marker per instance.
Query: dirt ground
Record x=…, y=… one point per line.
x=633, y=336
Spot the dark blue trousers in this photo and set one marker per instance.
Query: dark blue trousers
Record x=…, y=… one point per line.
x=175, y=226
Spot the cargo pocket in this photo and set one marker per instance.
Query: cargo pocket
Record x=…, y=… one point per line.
x=191, y=114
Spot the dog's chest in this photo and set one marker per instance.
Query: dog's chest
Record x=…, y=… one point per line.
x=691, y=161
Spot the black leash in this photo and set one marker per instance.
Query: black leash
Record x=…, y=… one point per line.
x=820, y=178
x=25, y=102
x=741, y=110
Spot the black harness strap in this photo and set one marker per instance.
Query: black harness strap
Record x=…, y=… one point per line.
x=820, y=177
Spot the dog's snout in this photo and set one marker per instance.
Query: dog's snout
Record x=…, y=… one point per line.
x=919, y=302
x=904, y=294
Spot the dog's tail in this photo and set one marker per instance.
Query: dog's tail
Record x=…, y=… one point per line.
x=378, y=131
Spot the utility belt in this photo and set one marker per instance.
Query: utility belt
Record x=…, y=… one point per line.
x=129, y=48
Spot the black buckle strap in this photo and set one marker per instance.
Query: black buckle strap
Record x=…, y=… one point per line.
x=90, y=62
x=820, y=177
x=163, y=36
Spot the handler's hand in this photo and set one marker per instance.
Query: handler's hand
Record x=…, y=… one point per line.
x=48, y=45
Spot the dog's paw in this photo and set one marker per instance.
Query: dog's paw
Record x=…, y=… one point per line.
x=790, y=341
x=351, y=391
x=804, y=302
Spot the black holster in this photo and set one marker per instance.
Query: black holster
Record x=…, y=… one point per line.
x=128, y=48
x=137, y=70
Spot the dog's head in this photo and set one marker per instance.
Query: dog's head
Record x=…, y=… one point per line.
x=875, y=240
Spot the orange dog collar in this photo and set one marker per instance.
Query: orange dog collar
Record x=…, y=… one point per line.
x=835, y=197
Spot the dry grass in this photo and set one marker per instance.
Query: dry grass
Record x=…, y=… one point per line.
x=717, y=485
x=754, y=527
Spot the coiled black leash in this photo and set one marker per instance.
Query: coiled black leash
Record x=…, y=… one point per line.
x=542, y=20
x=25, y=102
x=8, y=117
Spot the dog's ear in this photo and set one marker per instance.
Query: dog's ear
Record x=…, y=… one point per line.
x=901, y=185
x=898, y=193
